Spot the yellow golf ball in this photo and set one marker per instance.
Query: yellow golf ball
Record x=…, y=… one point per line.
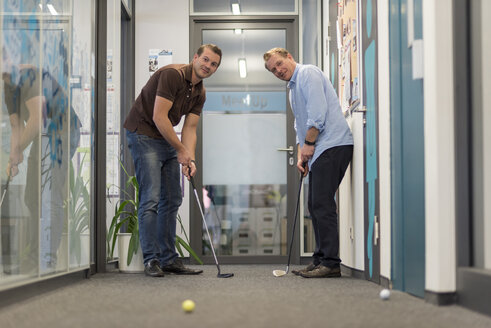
x=188, y=306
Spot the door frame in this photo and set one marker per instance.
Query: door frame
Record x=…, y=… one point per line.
x=473, y=283
x=290, y=24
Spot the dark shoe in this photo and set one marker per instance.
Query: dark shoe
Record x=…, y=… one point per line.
x=308, y=268
x=322, y=271
x=152, y=269
x=178, y=268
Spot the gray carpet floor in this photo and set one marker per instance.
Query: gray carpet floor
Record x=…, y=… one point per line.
x=252, y=298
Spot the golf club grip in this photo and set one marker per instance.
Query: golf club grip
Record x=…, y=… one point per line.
x=5, y=190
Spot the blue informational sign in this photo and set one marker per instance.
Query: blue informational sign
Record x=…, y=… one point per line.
x=245, y=101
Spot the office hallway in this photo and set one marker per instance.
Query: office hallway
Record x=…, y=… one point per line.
x=252, y=298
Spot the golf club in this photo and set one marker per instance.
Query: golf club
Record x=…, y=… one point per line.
x=280, y=273
x=219, y=275
x=5, y=191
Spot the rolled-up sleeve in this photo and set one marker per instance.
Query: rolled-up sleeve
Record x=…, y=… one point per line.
x=296, y=131
x=316, y=104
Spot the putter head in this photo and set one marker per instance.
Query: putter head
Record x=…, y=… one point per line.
x=225, y=275
x=279, y=273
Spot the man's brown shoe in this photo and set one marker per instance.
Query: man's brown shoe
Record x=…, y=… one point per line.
x=152, y=269
x=178, y=268
x=308, y=268
x=322, y=271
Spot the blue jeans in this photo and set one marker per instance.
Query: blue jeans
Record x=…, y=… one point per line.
x=157, y=173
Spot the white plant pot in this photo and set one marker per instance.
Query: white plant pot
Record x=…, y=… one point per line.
x=136, y=265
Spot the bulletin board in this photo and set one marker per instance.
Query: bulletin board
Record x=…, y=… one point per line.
x=348, y=48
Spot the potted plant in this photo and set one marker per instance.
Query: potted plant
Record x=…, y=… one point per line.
x=126, y=215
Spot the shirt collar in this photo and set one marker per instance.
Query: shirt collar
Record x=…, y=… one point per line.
x=293, y=79
x=188, y=74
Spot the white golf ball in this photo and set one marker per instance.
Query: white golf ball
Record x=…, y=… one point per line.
x=384, y=294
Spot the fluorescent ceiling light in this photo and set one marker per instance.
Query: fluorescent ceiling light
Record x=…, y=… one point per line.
x=235, y=8
x=242, y=68
x=52, y=9
x=238, y=31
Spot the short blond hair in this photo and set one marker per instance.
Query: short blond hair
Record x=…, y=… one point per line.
x=280, y=51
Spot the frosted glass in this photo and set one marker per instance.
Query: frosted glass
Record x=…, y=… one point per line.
x=242, y=149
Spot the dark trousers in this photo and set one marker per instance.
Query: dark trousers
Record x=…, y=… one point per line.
x=325, y=176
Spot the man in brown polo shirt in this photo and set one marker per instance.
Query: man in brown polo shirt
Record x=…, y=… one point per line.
x=172, y=92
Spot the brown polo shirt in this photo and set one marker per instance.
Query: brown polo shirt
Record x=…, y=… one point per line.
x=172, y=82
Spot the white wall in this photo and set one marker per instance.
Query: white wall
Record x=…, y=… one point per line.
x=439, y=146
x=351, y=191
x=351, y=207
x=159, y=24
x=384, y=137
x=351, y=203
x=162, y=24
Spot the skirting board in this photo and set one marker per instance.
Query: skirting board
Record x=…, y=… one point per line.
x=24, y=292
x=355, y=273
x=474, y=289
x=440, y=298
x=359, y=274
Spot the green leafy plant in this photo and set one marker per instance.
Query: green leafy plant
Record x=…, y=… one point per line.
x=126, y=214
x=185, y=243
x=78, y=208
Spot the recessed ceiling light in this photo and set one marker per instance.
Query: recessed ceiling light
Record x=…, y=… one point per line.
x=242, y=68
x=235, y=9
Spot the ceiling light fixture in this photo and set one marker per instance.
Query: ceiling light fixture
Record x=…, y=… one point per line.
x=238, y=31
x=235, y=9
x=242, y=68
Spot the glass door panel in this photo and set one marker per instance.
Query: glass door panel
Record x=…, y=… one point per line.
x=244, y=124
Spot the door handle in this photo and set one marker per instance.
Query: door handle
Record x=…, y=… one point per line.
x=289, y=149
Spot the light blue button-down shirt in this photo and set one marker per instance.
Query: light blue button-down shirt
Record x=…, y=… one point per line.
x=315, y=104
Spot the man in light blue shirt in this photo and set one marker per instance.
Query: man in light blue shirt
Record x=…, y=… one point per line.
x=324, y=142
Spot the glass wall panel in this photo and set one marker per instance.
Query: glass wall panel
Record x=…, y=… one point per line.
x=244, y=119
x=244, y=7
x=44, y=196
x=82, y=101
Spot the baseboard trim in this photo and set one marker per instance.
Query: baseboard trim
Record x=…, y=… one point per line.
x=474, y=289
x=355, y=273
x=385, y=282
x=20, y=293
x=447, y=298
x=360, y=274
